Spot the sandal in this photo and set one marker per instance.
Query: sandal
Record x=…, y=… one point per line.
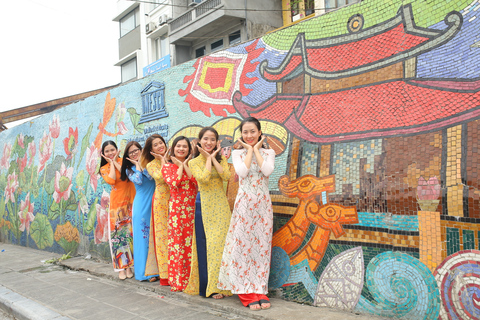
x=253, y=305
x=153, y=279
x=129, y=273
x=218, y=296
x=262, y=302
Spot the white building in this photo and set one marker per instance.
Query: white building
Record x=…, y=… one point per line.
x=157, y=34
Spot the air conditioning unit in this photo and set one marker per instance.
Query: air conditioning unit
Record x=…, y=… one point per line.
x=162, y=20
x=194, y=2
x=149, y=27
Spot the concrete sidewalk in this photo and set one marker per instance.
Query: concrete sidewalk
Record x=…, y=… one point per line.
x=85, y=289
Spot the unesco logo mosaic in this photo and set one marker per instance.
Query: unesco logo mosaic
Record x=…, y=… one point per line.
x=153, y=102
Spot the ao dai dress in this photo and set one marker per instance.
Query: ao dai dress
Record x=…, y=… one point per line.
x=180, y=225
x=246, y=258
x=216, y=215
x=141, y=214
x=120, y=219
x=157, y=262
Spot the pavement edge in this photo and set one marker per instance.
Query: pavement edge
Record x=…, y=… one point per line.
x=23, y=308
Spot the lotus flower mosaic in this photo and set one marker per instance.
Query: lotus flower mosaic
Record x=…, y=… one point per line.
x=26, y=213
x=63, y=183
x=71, y=142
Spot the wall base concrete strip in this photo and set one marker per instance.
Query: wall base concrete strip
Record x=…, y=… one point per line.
x=25, y=309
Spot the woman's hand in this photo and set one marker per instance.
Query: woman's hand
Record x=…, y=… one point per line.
x=185, y=163
x=109, y=160
x=177, y=162
x=215, y=152
x=163, y=159
x=203, y=152
x=259, y=144
x=134, y=162
x=245, y=145
x=193, y=146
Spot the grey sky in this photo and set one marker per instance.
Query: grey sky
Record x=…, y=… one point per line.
x=56, y=48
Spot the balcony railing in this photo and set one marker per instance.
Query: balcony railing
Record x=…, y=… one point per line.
x=200, y=9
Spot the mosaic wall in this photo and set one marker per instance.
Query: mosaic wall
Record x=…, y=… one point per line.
x=373, y=113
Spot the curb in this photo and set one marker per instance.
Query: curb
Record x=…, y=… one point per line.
x=165, y=291
x=25, y=309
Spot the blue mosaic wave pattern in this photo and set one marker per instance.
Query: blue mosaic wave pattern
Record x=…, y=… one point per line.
x=402, y=287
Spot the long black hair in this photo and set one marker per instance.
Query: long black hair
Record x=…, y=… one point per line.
x=127, y=164
x=202, y=132
x=177, y=139
x=104, y=145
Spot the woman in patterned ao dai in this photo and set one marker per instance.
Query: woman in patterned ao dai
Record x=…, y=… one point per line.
x=153, y=158
x=212, y=216
x=246, y=258
x=183, y=190
x=120, y=214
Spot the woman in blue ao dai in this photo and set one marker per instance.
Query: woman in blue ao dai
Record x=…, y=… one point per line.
x=142, y=206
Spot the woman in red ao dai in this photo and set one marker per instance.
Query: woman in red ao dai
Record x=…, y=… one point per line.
x=183, y=191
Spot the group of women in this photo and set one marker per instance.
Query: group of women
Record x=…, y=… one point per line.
x=169, y=208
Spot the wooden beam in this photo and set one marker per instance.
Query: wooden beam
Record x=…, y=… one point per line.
x=46, y=107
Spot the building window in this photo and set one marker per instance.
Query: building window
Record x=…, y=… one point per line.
x=309, y=7
x=217, y=45
x=301, y=8
x=129, y=22
x=234, y=38
x=162, y=47
x=129, y=70
x=200, y=52
x=156, y=3
x=333, y=4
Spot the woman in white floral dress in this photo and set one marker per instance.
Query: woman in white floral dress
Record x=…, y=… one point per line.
x=246, y=258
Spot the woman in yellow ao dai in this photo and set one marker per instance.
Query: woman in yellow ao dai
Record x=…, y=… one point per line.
x=210, y=169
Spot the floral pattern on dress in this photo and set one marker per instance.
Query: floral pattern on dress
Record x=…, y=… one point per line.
x=245, y=266
x=120, y=218
x=216, y=217
x=181, y=217
x=157, y=261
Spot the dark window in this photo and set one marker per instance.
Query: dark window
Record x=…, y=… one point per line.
x=234, y=38
x=309, y=7
x=217, y=45
x=200, y=52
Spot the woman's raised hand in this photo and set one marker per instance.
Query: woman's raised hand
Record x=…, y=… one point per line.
x=203, y=152
x=185, y=162
x=193, y=146
x=215, y=152
x=245, y=145
x=115, y=158
x=176, y=161
x=106, y=159
x=163, y=159
x=135, y=162
x=259, y=144
x=110, y=160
